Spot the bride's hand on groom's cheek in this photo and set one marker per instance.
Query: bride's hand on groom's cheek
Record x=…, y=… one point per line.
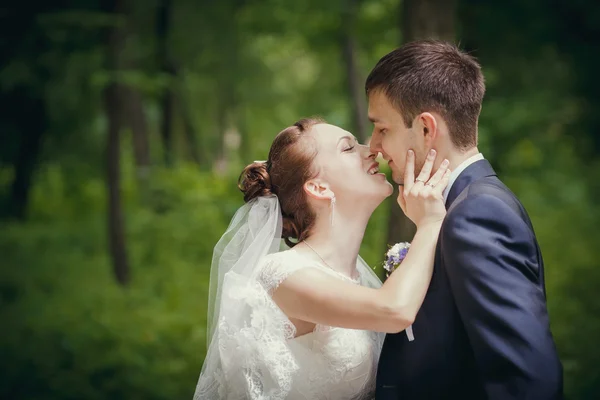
x=422, y=199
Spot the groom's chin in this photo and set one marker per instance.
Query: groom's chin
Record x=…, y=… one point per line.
x=397, y=177
x=397, y=180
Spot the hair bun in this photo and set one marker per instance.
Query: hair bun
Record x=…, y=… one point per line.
x=290, y=230
x=255, y=181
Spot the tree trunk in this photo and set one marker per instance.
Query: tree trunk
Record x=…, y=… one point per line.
x=421, y=19
x=114, y=103
x=139, y=130
x=32, y=128
x=116, y=232
x=428, y=19
x=354, y=81
x=166, y=67
x=220, y=164
x=188, y=125
x=134, y=115
x=166, y=125
x=246, y=147
x=189, y=132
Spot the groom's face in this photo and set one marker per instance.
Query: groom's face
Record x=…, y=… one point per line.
x=392, y=138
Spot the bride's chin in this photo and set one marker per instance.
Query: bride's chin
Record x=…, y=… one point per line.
x=384, y=194
x=389, y=190
x=384, y=190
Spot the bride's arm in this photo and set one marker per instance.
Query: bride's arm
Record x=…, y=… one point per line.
x=315, y=296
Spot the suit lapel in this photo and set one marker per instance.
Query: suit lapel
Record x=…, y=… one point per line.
x=477, y=170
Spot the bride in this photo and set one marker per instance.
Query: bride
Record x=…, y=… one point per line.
x=305, y=319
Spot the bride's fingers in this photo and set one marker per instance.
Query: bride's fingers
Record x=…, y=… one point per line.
x=439, y=174
x=427, y=167
x=438, y=189
x=435, y=180
x=402, y=200
x=425, y=191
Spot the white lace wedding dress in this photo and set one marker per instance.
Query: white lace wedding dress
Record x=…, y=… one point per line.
x=262, y=358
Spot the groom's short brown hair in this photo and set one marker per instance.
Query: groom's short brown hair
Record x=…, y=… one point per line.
x=430, y=75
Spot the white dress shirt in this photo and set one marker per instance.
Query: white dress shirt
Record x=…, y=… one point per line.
x=458, y=170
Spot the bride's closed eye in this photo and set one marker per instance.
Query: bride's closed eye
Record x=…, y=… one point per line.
x=350, y=144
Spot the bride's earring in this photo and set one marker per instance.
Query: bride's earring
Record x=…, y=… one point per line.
x=332, y=206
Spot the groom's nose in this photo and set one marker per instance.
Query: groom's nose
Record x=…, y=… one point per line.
x=375, y=143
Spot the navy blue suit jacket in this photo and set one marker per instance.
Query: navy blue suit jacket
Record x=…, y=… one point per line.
x=483, y=330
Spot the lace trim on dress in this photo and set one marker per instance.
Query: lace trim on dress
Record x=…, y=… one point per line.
x=258, y=357
x=278, y=267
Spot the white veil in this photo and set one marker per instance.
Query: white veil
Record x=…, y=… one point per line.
x=254, y=232
x=240, y=362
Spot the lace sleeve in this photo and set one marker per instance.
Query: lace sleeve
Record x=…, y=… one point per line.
x=278, y=267
x=250, y=357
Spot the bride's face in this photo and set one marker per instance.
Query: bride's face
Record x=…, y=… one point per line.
x=347, y=167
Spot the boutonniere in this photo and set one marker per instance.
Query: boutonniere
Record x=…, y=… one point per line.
x=393, y=258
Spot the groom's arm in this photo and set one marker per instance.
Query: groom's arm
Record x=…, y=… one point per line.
x=491, y=260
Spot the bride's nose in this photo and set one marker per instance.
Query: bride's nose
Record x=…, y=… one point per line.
x=366, y=151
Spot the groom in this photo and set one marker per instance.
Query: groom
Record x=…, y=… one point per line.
x=483, y=330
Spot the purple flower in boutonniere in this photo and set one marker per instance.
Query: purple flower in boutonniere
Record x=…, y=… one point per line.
x=393, y=258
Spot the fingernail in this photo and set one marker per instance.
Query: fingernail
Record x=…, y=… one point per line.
x=432, y=152
x=410, y=153
x=445, y=163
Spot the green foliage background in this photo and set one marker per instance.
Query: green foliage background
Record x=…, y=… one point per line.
x=70, y=332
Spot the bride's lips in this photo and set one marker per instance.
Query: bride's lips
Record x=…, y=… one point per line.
x=375, y=165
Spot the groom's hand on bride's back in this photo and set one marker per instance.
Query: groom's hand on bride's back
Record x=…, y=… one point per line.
x=422, y=199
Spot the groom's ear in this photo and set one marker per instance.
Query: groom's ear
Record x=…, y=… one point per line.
x=318, y=190
x=429, y=127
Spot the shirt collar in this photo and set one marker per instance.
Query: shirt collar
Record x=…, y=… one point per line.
x=458, y=170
